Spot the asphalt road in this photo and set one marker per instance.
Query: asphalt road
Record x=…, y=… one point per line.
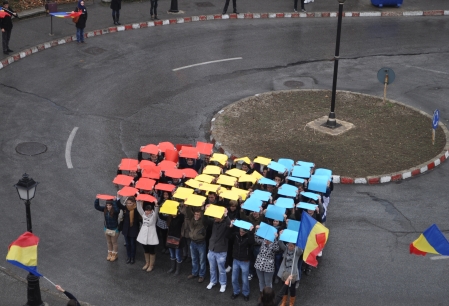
x=120, y=91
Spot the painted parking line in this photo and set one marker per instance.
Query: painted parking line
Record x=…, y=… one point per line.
x=439, y=257
x=68, y=148
x=210, y=62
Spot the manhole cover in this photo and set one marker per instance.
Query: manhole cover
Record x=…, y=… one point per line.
x=31, y=148
x=94, y=50
x=293, y=84
x=204, y=4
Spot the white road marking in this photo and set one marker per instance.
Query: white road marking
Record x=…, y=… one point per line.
x=436, y=71
x=210, y=62
x=68, y=148
x=439, y=257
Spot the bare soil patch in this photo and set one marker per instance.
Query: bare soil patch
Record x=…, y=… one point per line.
x=387, y=137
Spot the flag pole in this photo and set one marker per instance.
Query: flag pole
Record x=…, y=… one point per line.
x=49, y=281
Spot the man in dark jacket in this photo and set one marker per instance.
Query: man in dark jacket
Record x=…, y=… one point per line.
x=116, y=5
x=81, y=24
x=218, y=246
x=242, y=242
x=197, y=234
x=6, y=26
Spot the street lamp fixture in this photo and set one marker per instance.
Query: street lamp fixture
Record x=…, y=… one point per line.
x=331, y=120
x=26, y=188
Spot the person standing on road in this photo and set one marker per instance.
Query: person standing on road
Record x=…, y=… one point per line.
x=197, y=233
x=153, y=10
x=295, y=7
x=116, y=5
x=265, y=261
x=147, y=236
x=242, y=241
x=130, y=227
x=81, y=24
x=174, y=240
x=6, y=26
x=289, y=267
x=218, y=247
x=111, y=212
x=234, y=4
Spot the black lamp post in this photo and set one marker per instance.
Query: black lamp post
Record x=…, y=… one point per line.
x=331, y=121
x=26, y=188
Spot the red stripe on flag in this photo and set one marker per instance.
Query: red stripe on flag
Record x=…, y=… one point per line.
x=415, y=251
x=321, y=241
x=25, y=240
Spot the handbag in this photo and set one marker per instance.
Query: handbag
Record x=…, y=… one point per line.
x=173, y=242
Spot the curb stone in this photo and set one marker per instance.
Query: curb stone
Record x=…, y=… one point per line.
x=370, y=180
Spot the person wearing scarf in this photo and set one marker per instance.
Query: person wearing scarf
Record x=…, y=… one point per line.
x=81, y=24
x=130, y=226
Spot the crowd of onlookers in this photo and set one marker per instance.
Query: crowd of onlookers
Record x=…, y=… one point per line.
x=203, y=208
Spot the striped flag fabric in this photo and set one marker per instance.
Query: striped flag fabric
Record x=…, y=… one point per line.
x=431, y=241
x=23, y=253
x=312, y=238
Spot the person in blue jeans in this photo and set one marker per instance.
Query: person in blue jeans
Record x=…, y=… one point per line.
x=197, y=233
x=81, y=24
x=242, y=241
x=218, y=247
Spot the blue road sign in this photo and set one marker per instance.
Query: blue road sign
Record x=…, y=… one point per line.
x=435, y=119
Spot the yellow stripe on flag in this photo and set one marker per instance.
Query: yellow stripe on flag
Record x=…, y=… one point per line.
x=424, y=246
x=311, y=240
x=25, y=255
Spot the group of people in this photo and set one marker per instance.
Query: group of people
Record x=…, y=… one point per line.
x=189, y=235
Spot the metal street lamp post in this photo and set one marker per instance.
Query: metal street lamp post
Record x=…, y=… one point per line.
x=331, y=121
x=26, y=188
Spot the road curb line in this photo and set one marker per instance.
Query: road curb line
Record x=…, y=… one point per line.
x=134, y=26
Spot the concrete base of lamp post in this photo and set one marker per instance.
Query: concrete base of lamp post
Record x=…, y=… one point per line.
x=319, y=125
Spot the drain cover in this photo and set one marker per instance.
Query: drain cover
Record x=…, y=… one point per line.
x=293, y=84
x=94, y=50
x=204, y=4
x=31, y=148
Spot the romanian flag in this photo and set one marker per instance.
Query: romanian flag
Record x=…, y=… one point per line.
x=66, y=14
x=311, y=238
x=431, y=241
x=23, y=253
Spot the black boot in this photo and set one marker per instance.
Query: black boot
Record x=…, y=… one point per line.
x=115, y=22
x=132, y=261
x=235, y=10
x=117, y=18
x=178, y=268
x=172, y=266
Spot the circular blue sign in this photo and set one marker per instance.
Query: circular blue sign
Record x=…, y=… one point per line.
x=435, y=119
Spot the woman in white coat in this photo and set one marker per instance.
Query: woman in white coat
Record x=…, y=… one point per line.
x=147, y=235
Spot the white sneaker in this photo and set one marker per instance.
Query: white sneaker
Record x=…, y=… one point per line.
x=210, y=286
x=228, y=269
x=223, y=288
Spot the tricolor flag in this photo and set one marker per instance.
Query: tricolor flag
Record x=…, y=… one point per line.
x=23, y=253
x=431, y=241
x=66, y=14
x=311, y=238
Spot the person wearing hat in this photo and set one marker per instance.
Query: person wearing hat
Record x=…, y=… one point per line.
x=147, y=236
x=111, y=212
x=6, y=26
